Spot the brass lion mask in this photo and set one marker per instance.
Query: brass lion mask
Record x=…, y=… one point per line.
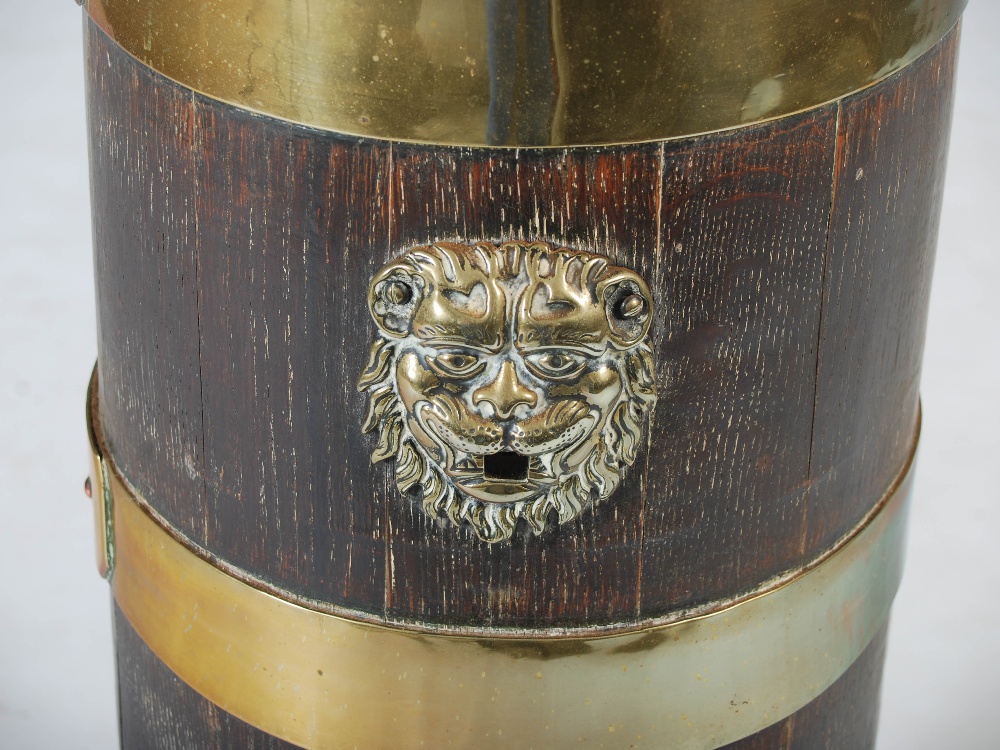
x=508, y=382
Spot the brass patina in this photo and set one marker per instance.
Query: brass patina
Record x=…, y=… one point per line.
x=540, y=73
x=324, y=681
x=508, y=382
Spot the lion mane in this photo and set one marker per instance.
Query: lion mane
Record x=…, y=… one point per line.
x=593, y=480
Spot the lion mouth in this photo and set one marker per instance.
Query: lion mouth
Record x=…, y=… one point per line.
x=501, y=477
x=488, y=466
x=506, y=466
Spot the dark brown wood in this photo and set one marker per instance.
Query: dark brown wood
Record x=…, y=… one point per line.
x=500, y=194
x=891, y=152
x=292, y=496
x=740, y=270
x=153, y=700
x=146, y=246
x=233, y=253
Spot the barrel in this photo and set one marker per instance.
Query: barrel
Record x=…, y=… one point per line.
x=509, y=373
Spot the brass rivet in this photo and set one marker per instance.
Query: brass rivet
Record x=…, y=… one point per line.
x=631, y=307
x=398, y=293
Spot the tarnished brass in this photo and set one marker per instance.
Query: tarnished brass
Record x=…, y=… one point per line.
x=323, y=681
x=508, y=382
x=546, y=72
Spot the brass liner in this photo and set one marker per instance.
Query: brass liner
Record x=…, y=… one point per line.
x=324, y=681
x=485, y=72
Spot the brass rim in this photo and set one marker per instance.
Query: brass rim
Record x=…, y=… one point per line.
x=320, y=680
x=489, y=73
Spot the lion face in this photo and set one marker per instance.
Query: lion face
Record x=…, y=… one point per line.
x=508, y=382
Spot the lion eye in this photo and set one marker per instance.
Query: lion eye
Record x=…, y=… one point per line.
x=556, y=364
x=455, y=364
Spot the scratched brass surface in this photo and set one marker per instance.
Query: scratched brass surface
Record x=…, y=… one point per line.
x=551, y=72
x=323, y=681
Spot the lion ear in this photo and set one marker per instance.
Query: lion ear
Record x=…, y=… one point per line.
x=628, y=306
x=393, y=298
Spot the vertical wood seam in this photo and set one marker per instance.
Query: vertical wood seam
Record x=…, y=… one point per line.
x=788, y=734
x=387, y=504
x=838, y=145
x=116, y=637
x=195, y=202
x=644, y=485
x=581, y=198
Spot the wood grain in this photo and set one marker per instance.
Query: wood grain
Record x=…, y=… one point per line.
x=291, y=494
x=741, y=265
x=146, y=253
x=586, y=198
x=891, y=153
x=790, y=262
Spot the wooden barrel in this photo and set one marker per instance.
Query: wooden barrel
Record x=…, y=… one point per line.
x=509, y=374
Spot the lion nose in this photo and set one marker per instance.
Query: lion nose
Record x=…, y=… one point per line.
x=505, y=393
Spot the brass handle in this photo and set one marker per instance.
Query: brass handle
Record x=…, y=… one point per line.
x=508, y=382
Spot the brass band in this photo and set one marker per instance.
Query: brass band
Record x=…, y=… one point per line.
x=323, y=681
x=488, y=72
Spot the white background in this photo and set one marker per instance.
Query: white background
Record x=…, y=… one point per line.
x=942, y=682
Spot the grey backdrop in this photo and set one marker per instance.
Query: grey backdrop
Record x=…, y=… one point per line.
x=942, y=683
